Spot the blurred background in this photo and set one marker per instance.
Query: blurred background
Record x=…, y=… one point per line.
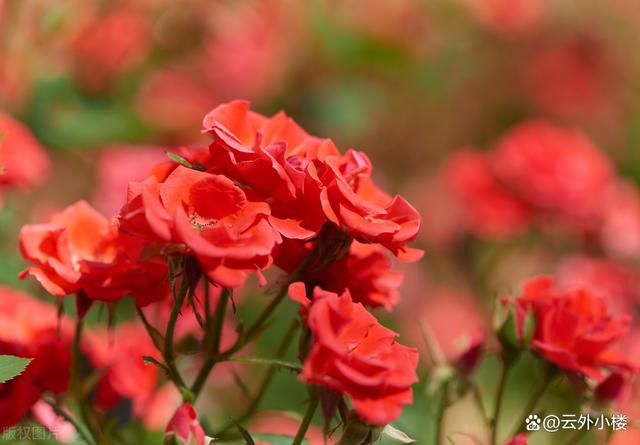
x=107, y=86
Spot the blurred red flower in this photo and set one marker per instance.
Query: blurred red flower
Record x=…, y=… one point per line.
x=569, y=78
x=29, y=329
x=554, y=169
x=118, y=355
x=490, y=209
x=108, y=44
x=23, y=161
x=79, y=249
x=353, y=354
x=574, y=329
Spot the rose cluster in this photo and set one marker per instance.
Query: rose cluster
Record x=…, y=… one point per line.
x=545, y=176
x=263, y=194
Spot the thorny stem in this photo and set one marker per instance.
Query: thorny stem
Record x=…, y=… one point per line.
x=217, y=324
x=168, y=352
x=266, y=380
x=86, y=435
x=308, y=416
x=76, y=384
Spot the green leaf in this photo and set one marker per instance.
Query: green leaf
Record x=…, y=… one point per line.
x=397, y=435
x=11, y=366
x=179, y=159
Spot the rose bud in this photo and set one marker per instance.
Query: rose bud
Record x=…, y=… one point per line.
x=184, y=428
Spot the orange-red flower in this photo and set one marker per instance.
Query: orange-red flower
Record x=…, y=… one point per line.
x=306, y=180
x=208, y=214
x=353, y=354
x=29, y=328
x=574, y=329
x=351, y=200
x=80, y=250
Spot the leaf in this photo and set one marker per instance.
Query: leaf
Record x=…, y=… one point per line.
x=11, y=367
x=397, y=435
x=148, y=360
x=179, y=159
x=248, y=440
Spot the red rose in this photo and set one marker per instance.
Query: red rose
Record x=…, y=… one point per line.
x=210, y=215
x=355, y=355
x=306, y=180
x=23, y=161
x=490, y=210
x=79, y=249
x=352, y=201
x=37, y=337
x=185, y=426
x=554, y=169
x=273, y=160
x=365, y=270
x=574, y=329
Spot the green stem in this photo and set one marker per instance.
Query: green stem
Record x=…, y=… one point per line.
x=76, y=384
x=86, y=435
x=217, y=324
x=500, y=387
x=308, y=416
x=168, y=352
x=155, y=336
x=444, y=402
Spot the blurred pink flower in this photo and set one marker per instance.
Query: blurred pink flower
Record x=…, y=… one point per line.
x=620, y=227
x=174, y=100
x=44, y=414
x=117, y=166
